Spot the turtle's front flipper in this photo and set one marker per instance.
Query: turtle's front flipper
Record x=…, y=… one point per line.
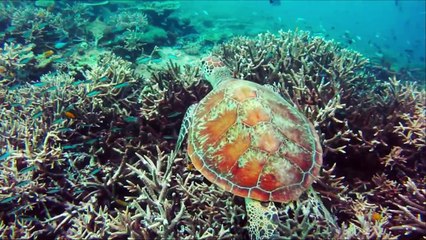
x=263, y=220
x=186, y=123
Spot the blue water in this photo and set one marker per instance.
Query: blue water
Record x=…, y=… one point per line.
x=391, y=29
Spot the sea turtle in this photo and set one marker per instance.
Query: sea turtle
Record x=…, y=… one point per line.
x=248, y=140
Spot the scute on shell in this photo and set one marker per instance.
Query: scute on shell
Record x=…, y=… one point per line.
x=250, y=141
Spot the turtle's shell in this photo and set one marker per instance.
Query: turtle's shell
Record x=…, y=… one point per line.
x=247, y=139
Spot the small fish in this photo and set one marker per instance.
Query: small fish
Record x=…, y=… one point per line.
x=378, y=54
x=115, y=129
x=8, y=199
x=92, y=141
x=94, y=172
x=28, y=219
x=70, y=115
x=42, y=25
x=59, y=120
x=275, y=2
x=10, y=29
x=95, y=4
x=190, y=167
x=40, y=84
x=73, y=146
x=93, y=93
x=4, y=155
x=167, y=137
x=60, y=45
x=2, y=69
x=89, y=125
x=27, y=34
x=48, y=53
x=28, y=103
x=54, y=190
x=121, y=85
x=52, y=88
x=16, y=105
x=143, y=60
x=14, y=87
x=27, y=169
x=130, y=119
x=65, y=129
x=25, y=60
x=59, y=60
x=78, y=191
x=174, y=114
x=38, y=114
x=23, y=183
x=121, y=202
x=103, y=79
x=409, y=51
x=205, y=12
x=376, y=216
x=78, y=82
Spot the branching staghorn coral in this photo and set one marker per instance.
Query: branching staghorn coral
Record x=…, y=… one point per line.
x=306, y=218
x=51, y=125
x=158, y=95
x=82, y=145
x=211, y=213
x=372, y=129
x=95, y=145
x=315, y=74
x=129, y=20
x=164, y=7
x=15, y=61
x=38, y=24
x=411, y=211
x=330, y=84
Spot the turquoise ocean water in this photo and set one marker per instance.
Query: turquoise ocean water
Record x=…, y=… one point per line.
x=389, y=29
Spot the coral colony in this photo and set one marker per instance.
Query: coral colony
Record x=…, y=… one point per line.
x=91, y=108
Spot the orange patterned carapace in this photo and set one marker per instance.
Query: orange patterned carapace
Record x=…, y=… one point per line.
x=247, y=139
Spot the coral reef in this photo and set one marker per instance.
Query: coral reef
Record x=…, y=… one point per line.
x=372, y=129
x=86, y=132
x=15, y=62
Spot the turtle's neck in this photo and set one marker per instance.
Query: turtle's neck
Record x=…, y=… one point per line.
x=218, y=75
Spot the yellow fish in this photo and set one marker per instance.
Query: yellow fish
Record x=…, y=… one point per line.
x=48, y=53
x=69, y=114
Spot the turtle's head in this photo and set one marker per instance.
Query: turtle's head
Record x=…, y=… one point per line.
x=214, y=70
